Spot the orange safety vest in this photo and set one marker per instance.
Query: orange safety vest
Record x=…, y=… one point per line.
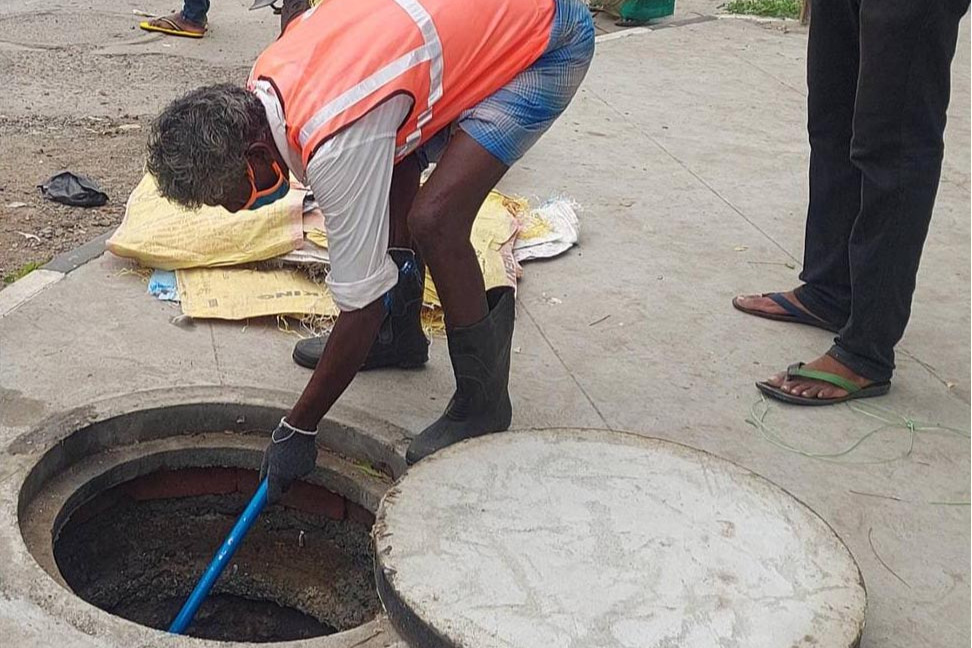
x=339, y=60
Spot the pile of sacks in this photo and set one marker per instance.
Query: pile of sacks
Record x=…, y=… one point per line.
x=272, y=261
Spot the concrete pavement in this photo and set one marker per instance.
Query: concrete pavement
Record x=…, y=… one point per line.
x=687, y=149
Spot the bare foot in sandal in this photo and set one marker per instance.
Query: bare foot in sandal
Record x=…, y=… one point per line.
x=763, y=304
x=782, y=307
x=174, y=25
x=809, y=388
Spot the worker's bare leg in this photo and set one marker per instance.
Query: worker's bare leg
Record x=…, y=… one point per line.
x=441, y=221
x=479, y=325
x=404, y=188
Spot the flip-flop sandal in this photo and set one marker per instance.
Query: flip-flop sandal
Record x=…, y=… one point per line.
x=169, y=27
x=796, y=370
x=793, y=314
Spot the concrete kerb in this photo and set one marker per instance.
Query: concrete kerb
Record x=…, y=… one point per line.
x=54, y=447
x=22, y=291
x=647, y=29
x=74, y=259
x=760, y=20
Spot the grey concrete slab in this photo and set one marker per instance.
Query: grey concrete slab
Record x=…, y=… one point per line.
x=61, y=362
x=754, y=164
x=25, y=289
x=957, y=167
x=662, y=254
x=543, y=391
x=728, y=132
x=595, y=538
x=656, y=245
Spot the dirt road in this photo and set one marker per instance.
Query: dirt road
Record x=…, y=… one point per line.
x=86, y=83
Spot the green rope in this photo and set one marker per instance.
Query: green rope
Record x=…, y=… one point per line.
x=890, y=420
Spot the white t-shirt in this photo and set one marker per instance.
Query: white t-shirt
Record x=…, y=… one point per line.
x=350, y=175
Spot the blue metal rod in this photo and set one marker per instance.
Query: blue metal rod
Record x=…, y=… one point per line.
x=221, y=559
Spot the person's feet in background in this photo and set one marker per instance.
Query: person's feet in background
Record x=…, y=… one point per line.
x=188, y=23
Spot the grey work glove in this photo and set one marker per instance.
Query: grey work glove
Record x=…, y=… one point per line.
x=290, y=455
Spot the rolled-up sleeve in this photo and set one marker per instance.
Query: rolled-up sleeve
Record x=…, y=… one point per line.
x=351, y=177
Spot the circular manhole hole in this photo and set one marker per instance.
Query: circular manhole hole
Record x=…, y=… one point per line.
x=305, y=569
x=127, y=513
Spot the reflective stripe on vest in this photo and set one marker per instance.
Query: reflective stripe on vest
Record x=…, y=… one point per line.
x=267, y=95
x=431, y=51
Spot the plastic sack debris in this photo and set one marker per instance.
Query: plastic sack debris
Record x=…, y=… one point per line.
x=240, y=293
x=162, y=284
x=548, y=230
x=73, y=189
x=276, y=258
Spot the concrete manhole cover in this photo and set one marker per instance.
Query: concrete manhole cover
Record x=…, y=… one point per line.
x=596, y=539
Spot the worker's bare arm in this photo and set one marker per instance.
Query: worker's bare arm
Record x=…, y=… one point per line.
x=292, y=451
x=349, y=342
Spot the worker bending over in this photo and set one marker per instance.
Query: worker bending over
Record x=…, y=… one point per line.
x=356, y=99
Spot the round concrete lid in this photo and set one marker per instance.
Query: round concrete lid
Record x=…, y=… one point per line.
x=594, y=538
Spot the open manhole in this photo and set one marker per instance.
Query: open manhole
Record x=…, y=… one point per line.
x=305, y=570
x=128, y=518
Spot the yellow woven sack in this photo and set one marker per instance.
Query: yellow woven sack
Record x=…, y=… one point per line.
x=240, y=293
x=160, y=234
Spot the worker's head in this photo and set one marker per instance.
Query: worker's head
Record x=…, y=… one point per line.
x=214, y=147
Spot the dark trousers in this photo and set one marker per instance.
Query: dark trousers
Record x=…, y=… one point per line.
x=195, y=11
x=878, y=77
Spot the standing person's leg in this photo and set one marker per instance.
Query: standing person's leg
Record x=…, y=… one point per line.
x=899, y=123
x=835, y=183
x=899, y=120
x=195, y=11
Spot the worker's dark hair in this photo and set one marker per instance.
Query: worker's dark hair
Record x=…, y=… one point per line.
x=197, y=147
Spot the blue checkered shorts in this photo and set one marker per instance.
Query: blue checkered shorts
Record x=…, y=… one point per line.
x=509, y=121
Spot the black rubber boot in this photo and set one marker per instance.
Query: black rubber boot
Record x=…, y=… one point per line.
x=481, y=360
x=401, y=341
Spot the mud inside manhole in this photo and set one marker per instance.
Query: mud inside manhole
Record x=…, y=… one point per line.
x=136, y=550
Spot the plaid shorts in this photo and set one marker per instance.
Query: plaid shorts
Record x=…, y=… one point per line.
x=509, y=121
